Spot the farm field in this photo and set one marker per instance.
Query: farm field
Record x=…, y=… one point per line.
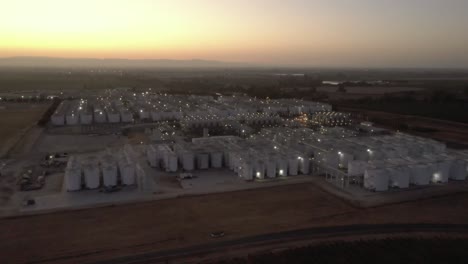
x=15, y=120
x=101, y=233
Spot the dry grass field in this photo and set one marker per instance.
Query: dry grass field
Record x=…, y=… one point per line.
x=15, y=120
x=94, y=234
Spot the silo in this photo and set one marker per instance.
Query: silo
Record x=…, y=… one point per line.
x=99, y=116
x=127, y=116
x=458, y=170
x=293, y=165
x=113, y=116
x=419, y=174
x=109, y=171
x=376, y=179
x=246, y=171
x=109, y=174
x=73, y=175
x=216, y=158
x=73, y=179
x=127, y=173
x=172, y=162
x=72, y=118
x=304, y=165
x=151, y=156
x=58, y=119
x=203, y=161
x=344, y=158
x=259, y=169
x=442, y=173
x=282, y=166
x=271, y=168
x=188, y=161
x=86, y=118
x=91, y=175
x=399, y=177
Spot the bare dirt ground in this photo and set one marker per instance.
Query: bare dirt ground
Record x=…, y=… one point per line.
x=100, y=233
x=16, y=119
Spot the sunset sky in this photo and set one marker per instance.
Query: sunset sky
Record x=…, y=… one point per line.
x=393, y=33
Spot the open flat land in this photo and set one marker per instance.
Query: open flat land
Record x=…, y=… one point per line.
x=100, y=233
x=15, y=120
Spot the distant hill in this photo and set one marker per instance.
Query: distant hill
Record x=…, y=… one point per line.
x=113, y=63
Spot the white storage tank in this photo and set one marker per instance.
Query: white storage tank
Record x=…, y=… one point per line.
x=188, y=161
x=127, y=116
x=458, y=170
x=171, y=162
x=282, y=167
x=58, y=119
x=246, y=171
x=259, y=169
x=73, y=179
x=127, y=173
x=109, y=175
x=73, y=175
x=293, y=165
x=419, y=174
x=152, y=156
x=203, y=161
x=91, y=175
x=100, y=116
x=304, y=165
x=271, y=168
x=72, y=119
x=216, y=159
x=376, y=179
x=86, y=118
x=344, y=158
x=113, y=117
x=399, y=177
x=441, y=175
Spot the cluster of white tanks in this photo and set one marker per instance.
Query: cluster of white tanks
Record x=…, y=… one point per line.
x=387, y=161
x=86, y=112
x=194, y=110
x=92, y=172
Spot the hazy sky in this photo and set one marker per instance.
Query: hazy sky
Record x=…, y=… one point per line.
x=431, y=33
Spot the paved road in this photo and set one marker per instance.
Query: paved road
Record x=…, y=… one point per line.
x=288, y=236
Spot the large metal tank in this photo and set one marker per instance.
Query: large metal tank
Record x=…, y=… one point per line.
x=113, y=116
x=203, y=161
x=293, y=165
x=282, y=166
x=91, y=175
x=188, y=161
x=259, y=169
x=100, y=116
x=216, y=159
x=151, y=154
x=127, y=116
x=127, y=173
x=399, y=177
x=109, y=174
x=72, y=119
x=442, y=173
x=419, y=174
x=458, y=170
x=86, y=118
x=73, y=179
x=376, y=179
x=271, y=168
